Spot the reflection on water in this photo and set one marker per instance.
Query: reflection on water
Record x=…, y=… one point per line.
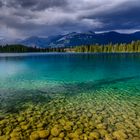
x=9, y=69
x=70, y=96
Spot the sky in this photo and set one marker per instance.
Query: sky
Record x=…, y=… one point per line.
x=24, y=18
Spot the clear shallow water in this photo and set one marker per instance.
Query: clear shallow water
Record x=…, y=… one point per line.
x=81, y=95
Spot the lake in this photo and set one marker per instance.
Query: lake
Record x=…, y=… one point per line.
x=70, y=96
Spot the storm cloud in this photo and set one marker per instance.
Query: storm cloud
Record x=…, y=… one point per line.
x=23, y=18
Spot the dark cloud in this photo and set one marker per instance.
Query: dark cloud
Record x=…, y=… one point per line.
x=50, y=3
x=36, y=4
x=46, y=17
x=1, y=3
x=124, y=16
x=23, y=3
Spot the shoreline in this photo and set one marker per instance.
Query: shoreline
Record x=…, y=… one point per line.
x=58, y=53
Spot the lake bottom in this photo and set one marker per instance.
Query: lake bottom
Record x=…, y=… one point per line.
x=107, y=110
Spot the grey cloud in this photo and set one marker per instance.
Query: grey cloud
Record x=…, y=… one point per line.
x=50, y=3
x=36, y=4
x=46, y=17
x=124, y=16
x=0, y=4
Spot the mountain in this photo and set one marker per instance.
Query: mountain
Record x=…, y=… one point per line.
x=76, y=39
x=68, y=40
x=9, y=41
x=40, y=41
x=35, y=41
x=87, y=38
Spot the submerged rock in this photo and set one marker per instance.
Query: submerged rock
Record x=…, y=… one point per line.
x=62, y=122
x=15, y=134
x=20, y=119
x=67, y=128
x=120, y=135
x=108, y=137
x=84, y=136
x=4, y=137
x=43, y=134
x=56, y=139
x=94, y=136
x=34, y=136
x=15, y=138
x=55, y=131
x=25, y=127
x=103, y=132
x=62, y=135
x=73, y=135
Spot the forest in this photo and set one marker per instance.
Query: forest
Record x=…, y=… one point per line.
x=110, y=48
x=21, y=49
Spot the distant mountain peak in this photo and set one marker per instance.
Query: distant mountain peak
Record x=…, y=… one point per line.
x=32, y=37
x=90, y=32
x=112, y=33
x=71, y=34
x=77, y=39
x=138, y=33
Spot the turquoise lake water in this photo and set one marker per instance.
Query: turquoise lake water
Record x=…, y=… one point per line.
x=103, y=89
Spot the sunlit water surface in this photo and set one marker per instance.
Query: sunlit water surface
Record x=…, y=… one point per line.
x=70, y=96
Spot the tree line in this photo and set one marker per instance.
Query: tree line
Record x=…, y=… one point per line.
x=110, y=48
x=21, y=48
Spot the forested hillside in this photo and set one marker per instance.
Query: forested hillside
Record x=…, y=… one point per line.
x=21, y=48
x=110, y=48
